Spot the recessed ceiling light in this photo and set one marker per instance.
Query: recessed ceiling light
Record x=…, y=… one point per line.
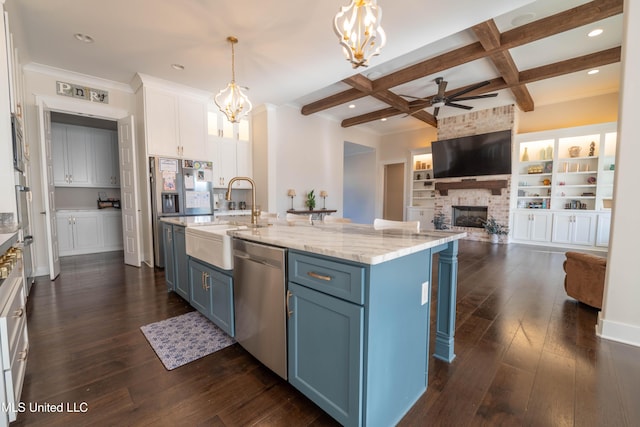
x=352, y=105
x=83, y=38
x=596, y=32
x=384, y=119
x=525, y=18
x=178, y=67
x=592, y=72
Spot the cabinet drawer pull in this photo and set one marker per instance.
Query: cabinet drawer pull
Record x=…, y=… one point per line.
x=289, y=312
x=319, y=276
x=23, y=354
x=19, y=313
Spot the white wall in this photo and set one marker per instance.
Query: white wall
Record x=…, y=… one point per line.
x=307, y=155
x=620, y=318
x=360, y=177
x=41, y=82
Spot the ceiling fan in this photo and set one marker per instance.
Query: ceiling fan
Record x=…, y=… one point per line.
x=440, y=99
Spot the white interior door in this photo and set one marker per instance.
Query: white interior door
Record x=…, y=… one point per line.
x=48, y=184
x=129, y=197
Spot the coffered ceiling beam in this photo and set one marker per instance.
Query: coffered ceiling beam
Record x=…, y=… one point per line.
x=580, y=63
x=489, y=36
x=545, y=27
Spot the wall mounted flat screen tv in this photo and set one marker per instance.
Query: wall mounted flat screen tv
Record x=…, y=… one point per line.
x=475, y=155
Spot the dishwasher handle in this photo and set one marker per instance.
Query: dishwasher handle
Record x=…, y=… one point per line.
x=262, y=261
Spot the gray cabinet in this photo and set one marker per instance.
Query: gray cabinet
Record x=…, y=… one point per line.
x=212, y=294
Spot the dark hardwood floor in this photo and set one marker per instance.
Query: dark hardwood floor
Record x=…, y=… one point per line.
x=526, y=355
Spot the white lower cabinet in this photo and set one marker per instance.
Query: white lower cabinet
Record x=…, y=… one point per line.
x=602, y=232
x=14, y=344
x=422, y=214
x=532, y=226
x=85, y=232
x=574, y=228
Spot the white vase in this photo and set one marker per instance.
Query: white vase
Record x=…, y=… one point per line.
x=495, y=238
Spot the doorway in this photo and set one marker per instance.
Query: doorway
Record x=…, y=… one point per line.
x=126, y=152
x=393, y=192
x=359, y=183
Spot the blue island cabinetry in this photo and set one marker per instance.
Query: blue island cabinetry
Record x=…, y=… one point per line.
x=358, y=335
x=212, y=294
x=176, y=268
x=208, y=289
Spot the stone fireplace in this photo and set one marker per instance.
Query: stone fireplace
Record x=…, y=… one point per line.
x=482, y=197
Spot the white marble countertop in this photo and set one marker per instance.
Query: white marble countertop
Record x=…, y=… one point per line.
x=353, y=242
x=7, y=238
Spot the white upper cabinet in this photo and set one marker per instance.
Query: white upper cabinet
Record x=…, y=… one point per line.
x=176, y=125
x=230, y=145
x=73, y=159
x=105, y=149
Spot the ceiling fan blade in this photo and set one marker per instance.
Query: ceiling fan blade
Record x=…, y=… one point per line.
x=468, y=89
x=453, y=104
x=466, y=98
x=415, y=97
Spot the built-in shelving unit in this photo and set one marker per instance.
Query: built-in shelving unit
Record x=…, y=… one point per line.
x=572, y=169
x=566, y=175
x=423, y=191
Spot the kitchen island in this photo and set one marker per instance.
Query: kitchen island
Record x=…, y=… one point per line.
x=358, y=314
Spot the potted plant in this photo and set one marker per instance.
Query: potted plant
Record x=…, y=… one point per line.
x=439, y=221
x=494, y=229
x=311, y=200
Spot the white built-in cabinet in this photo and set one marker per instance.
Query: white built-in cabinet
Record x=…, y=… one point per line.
x=175, y=124
x=107, y=163
x=84, y=156
x=574, y=228
x=88, y=231
x=73, y=160
x=229, y=147
x=532, y=226
x=563, y=186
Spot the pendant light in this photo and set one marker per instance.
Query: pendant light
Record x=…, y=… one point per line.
x=358, y=28
x=231, y=100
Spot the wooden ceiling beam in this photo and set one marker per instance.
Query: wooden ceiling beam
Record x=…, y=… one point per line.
x=593, y=11
x=489, y=36
x=416, y=112
x=332, y=101
x=580, y=63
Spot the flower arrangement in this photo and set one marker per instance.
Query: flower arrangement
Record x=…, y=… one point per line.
x=491, y=226
x=311, y=200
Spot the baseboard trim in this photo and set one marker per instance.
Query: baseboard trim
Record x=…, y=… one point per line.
x=619, y=332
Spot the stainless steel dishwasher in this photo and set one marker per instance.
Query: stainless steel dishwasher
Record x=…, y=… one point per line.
x=259, y=287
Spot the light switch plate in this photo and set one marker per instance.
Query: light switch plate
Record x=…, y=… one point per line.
x=425, y=293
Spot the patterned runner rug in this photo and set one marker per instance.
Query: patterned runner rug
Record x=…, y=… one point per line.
x=185, y=338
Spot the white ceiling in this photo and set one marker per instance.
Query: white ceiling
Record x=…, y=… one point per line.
x=287, y=52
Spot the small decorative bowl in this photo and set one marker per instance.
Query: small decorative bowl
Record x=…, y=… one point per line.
x=574, y=151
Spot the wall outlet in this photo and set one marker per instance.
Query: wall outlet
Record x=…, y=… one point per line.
x=425, y=293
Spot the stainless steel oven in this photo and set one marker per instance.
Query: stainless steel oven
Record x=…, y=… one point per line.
x=18, y=143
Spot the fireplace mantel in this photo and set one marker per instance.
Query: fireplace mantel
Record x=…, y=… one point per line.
x=495, y=185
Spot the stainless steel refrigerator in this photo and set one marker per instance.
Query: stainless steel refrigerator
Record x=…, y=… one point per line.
x=179, y=187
